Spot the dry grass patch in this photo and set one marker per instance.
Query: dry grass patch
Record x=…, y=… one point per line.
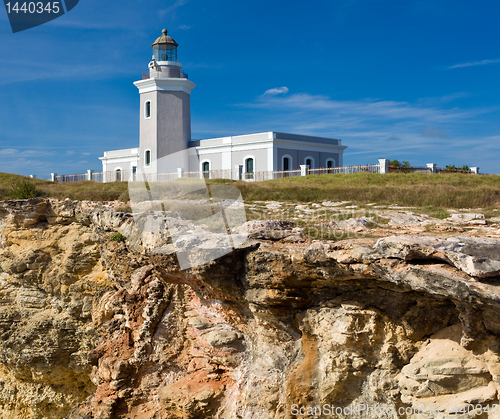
x=413, y=189
x=431, y=192
x=81, y=191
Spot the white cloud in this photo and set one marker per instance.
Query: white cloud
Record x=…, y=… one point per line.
x=8, y=151
x=184, y=27
x=422, y=132
x=174, y=6
x=58, y=71
x=12, y=152
x=276, y=91
x=474, y=63
x=355, y=112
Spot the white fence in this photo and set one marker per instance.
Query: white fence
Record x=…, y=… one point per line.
x=236, y=174
x=372, y=168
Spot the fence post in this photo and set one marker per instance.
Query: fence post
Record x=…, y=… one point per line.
x=304, y=170
x=90, y=173
x=475, y=170
x=383, y=165
x=180, y=172
x=432, y=167
x=238, y=172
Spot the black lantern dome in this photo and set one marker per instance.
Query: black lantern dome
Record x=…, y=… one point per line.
x=165, y=48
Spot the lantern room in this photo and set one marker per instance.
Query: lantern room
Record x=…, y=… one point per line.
x=165, y=48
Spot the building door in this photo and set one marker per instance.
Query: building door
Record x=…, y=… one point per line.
x=249, y=169
x=205, y=168
x=286, y=163
x=118, y=175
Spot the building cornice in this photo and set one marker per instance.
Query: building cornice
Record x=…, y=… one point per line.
x=165, y=84
x=309, y=144
x=303, y=145
x=254, y=145
x=120, y=158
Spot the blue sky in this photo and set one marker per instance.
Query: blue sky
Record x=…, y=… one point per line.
x=408, y=80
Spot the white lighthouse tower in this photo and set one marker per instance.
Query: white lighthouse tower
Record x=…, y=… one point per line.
x=165, y=109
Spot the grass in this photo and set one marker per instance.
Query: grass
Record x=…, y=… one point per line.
x=434, y=212
x=433, y=193
x=412, y=189
x=84, y=190
x=23, y=189
x=117, y=237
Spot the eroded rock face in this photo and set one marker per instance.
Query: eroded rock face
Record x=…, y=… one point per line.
x=93, y=328
x=50, y=272
x=444, y=373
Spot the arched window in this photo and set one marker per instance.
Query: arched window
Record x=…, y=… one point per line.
x=309, y=161
x=118, y=173
x=330, y=163
x=147, y=110
x=249, y=163
x=286, y=163
x=147, y=158
x=205, y=168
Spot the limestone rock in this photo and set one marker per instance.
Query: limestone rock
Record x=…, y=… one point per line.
x=403, y=218
x=444, y=373
x=221, y=338
x=200, y=323
x=93, y=328
x=351, y=224
x=268, y=229
x=467, y=219
x=477, y=257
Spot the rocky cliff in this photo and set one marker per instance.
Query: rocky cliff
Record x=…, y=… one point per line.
x=91, y=327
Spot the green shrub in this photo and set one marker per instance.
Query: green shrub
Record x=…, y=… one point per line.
x=397, y=163
x=23, y=189
x=117, y=237
x=452, y=167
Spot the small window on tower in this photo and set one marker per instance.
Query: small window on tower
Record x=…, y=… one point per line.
x=147, y=110
x=147, y=158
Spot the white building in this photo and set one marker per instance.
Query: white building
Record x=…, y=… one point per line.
x=165, y=130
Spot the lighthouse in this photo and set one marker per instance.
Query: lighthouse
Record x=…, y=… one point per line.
x=166, y=149
x=165, y=107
